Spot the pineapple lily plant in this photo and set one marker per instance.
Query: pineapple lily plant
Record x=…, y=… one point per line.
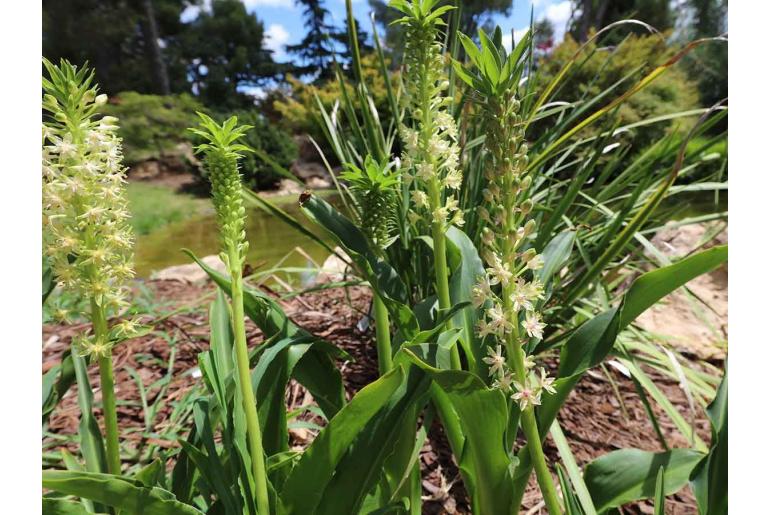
x=483, y=268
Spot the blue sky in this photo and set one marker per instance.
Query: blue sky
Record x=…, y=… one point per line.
x=284, y=23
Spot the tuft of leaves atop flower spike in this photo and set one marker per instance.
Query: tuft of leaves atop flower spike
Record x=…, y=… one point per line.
x=421, y=11
x=493, y=70
x=375, y=188
x=221, y=153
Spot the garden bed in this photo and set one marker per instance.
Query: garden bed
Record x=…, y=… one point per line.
x=593, y=419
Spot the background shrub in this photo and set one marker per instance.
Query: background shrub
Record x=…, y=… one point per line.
x=153, y=126
x=633, y=58
x=274, y=141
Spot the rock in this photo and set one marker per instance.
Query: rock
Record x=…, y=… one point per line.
x=318, y=183
x=168, y=163
x=306, y=151
x=191, y=273
x=305, y=170
x=146, y=170
x=289, y=187
x=334, y=269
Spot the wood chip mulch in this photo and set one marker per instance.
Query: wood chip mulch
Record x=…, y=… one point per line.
x=593, y=419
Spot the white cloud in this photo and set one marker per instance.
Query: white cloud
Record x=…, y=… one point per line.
x=558, y=15
x=192, y=11
x=517, y=35
x=254, y=91
x=276, y=36
x=253, y=4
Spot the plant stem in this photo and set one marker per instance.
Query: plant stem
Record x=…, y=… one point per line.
x=382, y=326
x=247, y=393
x=530, y=429
x=442, y=271
x=544, y=479
x=107, y=381
x=449, y=419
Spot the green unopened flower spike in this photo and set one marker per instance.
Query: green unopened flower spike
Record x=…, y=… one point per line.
x=375, y=189
x=221, y=152
x=86, y=234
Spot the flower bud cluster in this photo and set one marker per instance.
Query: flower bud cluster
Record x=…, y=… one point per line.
x=87, y=235
x=431, y=156
x=228, y=202
x=510, y=291
x=375, y=188
x=221, y=155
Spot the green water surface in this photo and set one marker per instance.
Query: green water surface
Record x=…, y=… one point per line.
x=271, y=242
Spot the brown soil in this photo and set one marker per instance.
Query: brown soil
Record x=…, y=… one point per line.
x=692, y=320
x=592, y=418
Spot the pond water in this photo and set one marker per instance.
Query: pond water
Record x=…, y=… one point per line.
x=270, y=241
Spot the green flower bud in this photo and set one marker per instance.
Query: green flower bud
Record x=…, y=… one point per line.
x=529, y=227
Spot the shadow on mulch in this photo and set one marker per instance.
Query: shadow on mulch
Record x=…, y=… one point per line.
x=594, y=420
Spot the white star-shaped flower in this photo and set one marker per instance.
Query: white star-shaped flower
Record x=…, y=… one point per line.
x=495, y=360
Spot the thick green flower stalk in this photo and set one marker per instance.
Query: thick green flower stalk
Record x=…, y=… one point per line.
x=87, y=236
x=510, y=291
x=431, y=154
x=221, y=155
x=375, y=189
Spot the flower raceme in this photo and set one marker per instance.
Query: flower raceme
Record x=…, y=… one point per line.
x=88, y=239
x=509, y=291
x=431, y=155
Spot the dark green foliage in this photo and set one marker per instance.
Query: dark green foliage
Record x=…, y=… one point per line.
x=152, y=126
x=709, y=63
x=316, y=49
x=273, y=141
x=113, y=35
x=223, y=53
x=472, y=15
x=214, y=56
x=596, y=14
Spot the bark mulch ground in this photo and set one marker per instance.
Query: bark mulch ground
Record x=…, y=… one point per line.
x=593, y=419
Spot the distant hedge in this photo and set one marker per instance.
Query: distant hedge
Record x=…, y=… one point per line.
x=152, y=125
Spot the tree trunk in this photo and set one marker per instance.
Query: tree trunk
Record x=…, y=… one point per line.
x=158, y=66
x=584, y=23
